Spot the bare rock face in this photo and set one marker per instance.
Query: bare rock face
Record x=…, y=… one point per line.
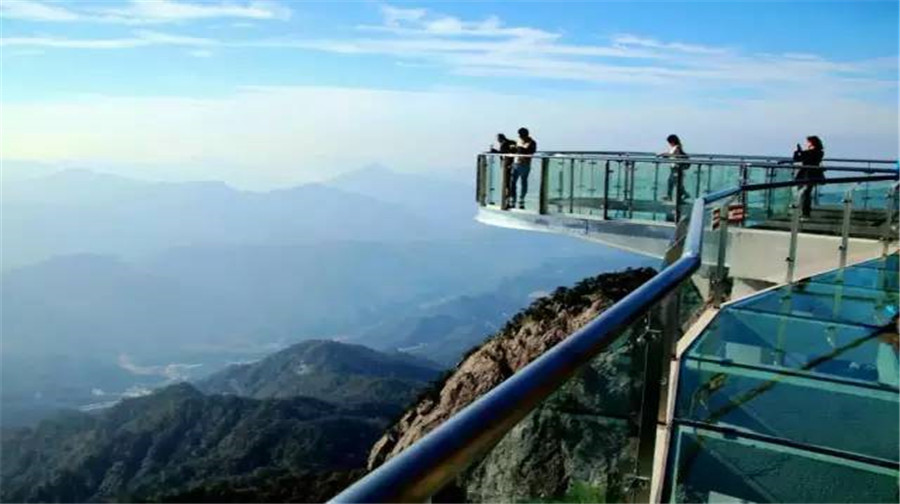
x=539, y=451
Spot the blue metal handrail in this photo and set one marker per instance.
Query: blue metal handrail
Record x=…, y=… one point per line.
x=425, y=467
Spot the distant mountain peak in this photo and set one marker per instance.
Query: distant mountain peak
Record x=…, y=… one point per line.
x=328, y=370
x=377, y=168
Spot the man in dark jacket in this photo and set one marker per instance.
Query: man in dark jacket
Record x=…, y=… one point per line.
x=525, y=148
x=810, y=159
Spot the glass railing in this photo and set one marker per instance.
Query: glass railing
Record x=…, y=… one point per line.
x=864, y=164
x=643, y=187
x=584, y=414
x=587, y=431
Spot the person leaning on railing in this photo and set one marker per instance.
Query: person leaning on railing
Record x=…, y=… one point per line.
x=505, y=146
x=676, y=175
x=810, y=159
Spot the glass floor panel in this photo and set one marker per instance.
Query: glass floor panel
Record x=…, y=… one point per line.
x=710, y=466
x=805, y=346
x=850, y=417
x=826, y=302
x=891, y=262
x=805, y=382
x=863, y=277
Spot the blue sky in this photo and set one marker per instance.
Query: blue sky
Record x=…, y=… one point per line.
x=296, y=80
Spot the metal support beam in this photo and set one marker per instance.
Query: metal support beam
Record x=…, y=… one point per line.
x=629, y=187
x=745, y=179
x=479, y=179
x=887, y=235
x=718, y=287
x=545, y=176
x=795, y=230
x=845, y=229
x=679, y=194
x=572, y=186
x=606, y=191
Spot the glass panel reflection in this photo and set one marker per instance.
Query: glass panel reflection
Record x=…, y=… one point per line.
x=715, y=467
x=828, y=302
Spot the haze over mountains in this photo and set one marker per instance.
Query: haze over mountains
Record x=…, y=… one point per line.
x=80, y=211
x=114, y=286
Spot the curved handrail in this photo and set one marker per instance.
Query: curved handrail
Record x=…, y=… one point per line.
x=731, y=157
x=436, y=459
x=785, y=164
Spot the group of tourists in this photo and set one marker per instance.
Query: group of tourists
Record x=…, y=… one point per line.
x=517, y=165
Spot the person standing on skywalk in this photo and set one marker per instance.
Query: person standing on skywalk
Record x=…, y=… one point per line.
x=810, y=159
x=525, y=149
x=676, y=175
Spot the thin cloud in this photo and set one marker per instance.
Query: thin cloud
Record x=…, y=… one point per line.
x=417, y=22
x=490, y=48
x=164, y=11
x=30, y=10
x=635, y=41
x=200, y=53
x=139, y=12
x=142, y=38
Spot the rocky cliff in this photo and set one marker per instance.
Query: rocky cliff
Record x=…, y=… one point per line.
x=572, y=446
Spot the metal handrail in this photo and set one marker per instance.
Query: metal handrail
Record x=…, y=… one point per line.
x=429, y=464
x=739, y=157
x=694, y=159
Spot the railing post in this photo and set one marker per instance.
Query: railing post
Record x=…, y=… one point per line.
x=718, y=287
x=657, y=342
x=559, y=200
x=887, y=232
x=795, y=230
x=770, y=177
x=845, y=230
x=545, y=176
x=505, y=177
x=606, y=191
x=679, y=194
x=697, y=180
x=572, y=186
x=655, y=184
x=745, y=179
x=479, y=179
x=866, y=197
x=627, y=189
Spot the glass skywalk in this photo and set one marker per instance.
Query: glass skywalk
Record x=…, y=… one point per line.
x=792, y=395
x=788, y=395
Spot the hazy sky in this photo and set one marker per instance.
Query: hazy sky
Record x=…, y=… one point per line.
x=263, y=93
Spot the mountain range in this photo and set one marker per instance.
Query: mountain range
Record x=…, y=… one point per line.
x=302, y=416
x=79, y=211
x=193, y=342
x=83, y=330
x=327, y=370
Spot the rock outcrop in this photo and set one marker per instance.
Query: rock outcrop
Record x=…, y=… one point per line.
x=575, y=441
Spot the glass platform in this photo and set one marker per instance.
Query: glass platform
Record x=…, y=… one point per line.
x=791, y=395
